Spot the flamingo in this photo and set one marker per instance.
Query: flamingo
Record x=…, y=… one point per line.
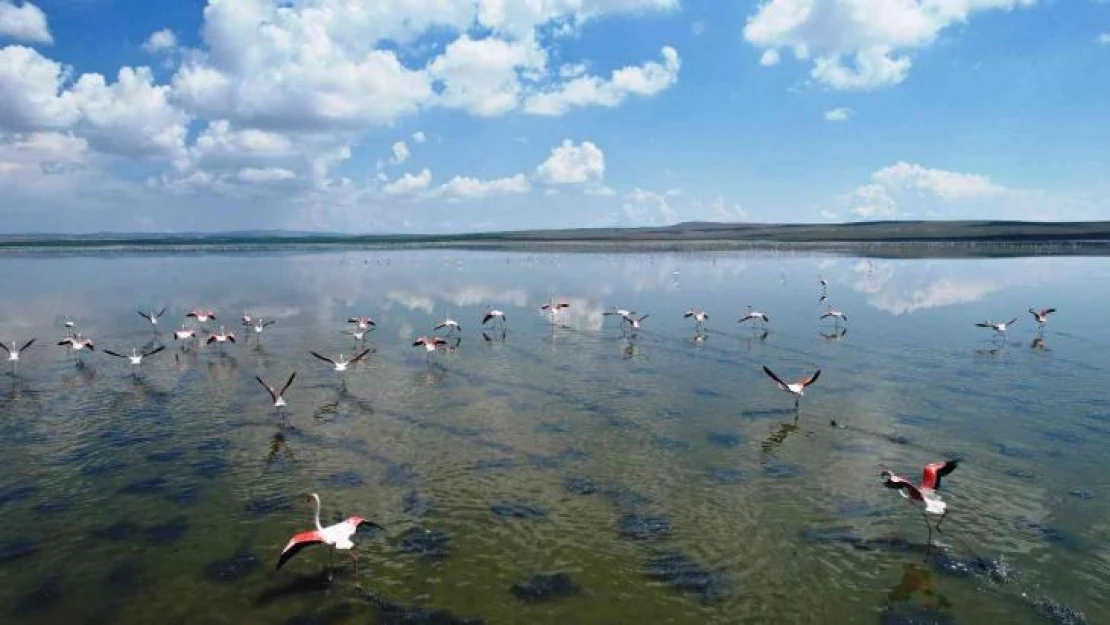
x=136, y=357
x=1041, y=316
x=77, y=342
x=362, y=322
x=153, y=317
x=221, y=337
x=430, y=343
x=924, y=493
x=450, y=324
x=337, y=536
x=494, y=313
x=624, y=314
x=13, y=354
x=837, y=315
x=797, y=389
x=699, y=316
x=998, y=327
x=184, y=334
x=277, y=396
x=553, y=308
x=261, y=324
x=202, y=316
x=341, y=363
x=756, y=315
x=634, y=322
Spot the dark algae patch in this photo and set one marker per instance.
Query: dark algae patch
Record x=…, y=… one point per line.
x=545, y=587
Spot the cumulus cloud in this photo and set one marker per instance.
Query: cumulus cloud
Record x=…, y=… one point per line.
x=409, y=184
x=1104, y=39
x=906, y=190
x=859, y=44
x=643, y=80
x=161, y=41
x=263, y=175
x=467, y=188
x=24, y=22
x=838, y=114
x=769, y=58
x=400, y=153
x=572, y=164
x=418, y=137
x=649, y=208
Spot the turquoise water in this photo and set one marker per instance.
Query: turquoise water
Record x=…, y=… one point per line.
x=662, y=473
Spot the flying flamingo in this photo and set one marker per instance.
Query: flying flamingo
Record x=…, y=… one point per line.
x=635, y=323
x=246, y=320
x=624, y=314
x=337, y=536
x=1041, y=316
x=362, y=322
x=184, y=334
x=494, y=313
x=837, y=315
x=700, y=317
x=341, y=363
x=136, y=357
x=77, y=342
x=203, y=316
x=754, y=315
x=153, y=317
x=13, y=354
x=797, y=389
x=998, y=327
x=450, y=324
x=261, y=324
x=278, y=397
x=430, y=343
x=924, y=493
x=221, y=337
x=553, y=308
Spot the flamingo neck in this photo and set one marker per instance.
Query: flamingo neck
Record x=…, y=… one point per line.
x=316, y=516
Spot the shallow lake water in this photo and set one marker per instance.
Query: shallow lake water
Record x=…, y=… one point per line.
x=662, y=474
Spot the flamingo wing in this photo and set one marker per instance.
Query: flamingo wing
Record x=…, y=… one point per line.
x=1011, y=322
x=930, y=478
x=907, y=487
x=1048, y=311
x=360, y=356
x=419, y=341
x=144, y=315
x=111, y=353
x=811, y=379
x=161, y=312
x=269, y=390
x=689, y=313
x=211, y=339
x=288, y=383
x=774, y=377
x=826, y=315
x=985, y=324
x=296, y=544
x=486, y=318
x=8, y=349
x=324, y=358
x=192, y=313
x=154, y=351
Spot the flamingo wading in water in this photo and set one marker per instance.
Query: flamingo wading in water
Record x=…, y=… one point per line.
x=135, y=357
x=699, y=316
x=14, y=352
x=278, y=397
x=755, y=315
x=153, y=317
x=1041, y=316
x=342, y=363
x=797, y=389
x=924, y=493
x=999, y=327
x=337, y=537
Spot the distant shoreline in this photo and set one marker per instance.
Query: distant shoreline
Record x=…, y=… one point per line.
x=889, y=238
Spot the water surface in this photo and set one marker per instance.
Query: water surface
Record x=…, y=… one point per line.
x=663, y=473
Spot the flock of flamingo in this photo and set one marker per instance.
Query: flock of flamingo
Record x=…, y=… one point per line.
x=338, y=536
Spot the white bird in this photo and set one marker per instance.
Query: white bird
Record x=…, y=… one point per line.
x=203, y=316
x=837, y=315
x=450, y=324
x=278, y=397
x=699, y=316
x=797, y=389
x=153, y=317
x=184, y=334
x=136, y=357
x=620, y=312
x=261, y=324
x=221, y=337
x=635, y=322
x=1041, y=316
x=77, y=342
x=924, y=493
x=337, y=536
x=493, y=313
x=999, y=327
x=362, y=323
x=13, y=353
x=755, y=315
x=341, y=363
x=430, y=343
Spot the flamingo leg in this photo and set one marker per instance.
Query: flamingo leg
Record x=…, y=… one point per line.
x=354, y=558
x=942, y=518
x=929, y=540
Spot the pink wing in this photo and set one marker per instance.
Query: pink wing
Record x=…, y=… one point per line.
x=298, y=542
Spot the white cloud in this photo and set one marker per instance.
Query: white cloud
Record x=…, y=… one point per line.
x=947, y=185
x=400, y=153
x=769, y=58
x=263, y=175
x=220, y=146
x=572, y=164
x=409, y=184
x=40, y=162
x=517, y=18
x=878, y=35
x=909, y=191
x=467, y=188
x=838, y=114
x=697, y=28
x=419, y=137
x=31, y=91
x=1104, y=39
x=481, y=76
x=648, y=208
x=161, y=41
x=25, y=22
x=131, y=117
x=643, y=80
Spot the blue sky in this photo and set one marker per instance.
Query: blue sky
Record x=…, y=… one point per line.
x=454, y=115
